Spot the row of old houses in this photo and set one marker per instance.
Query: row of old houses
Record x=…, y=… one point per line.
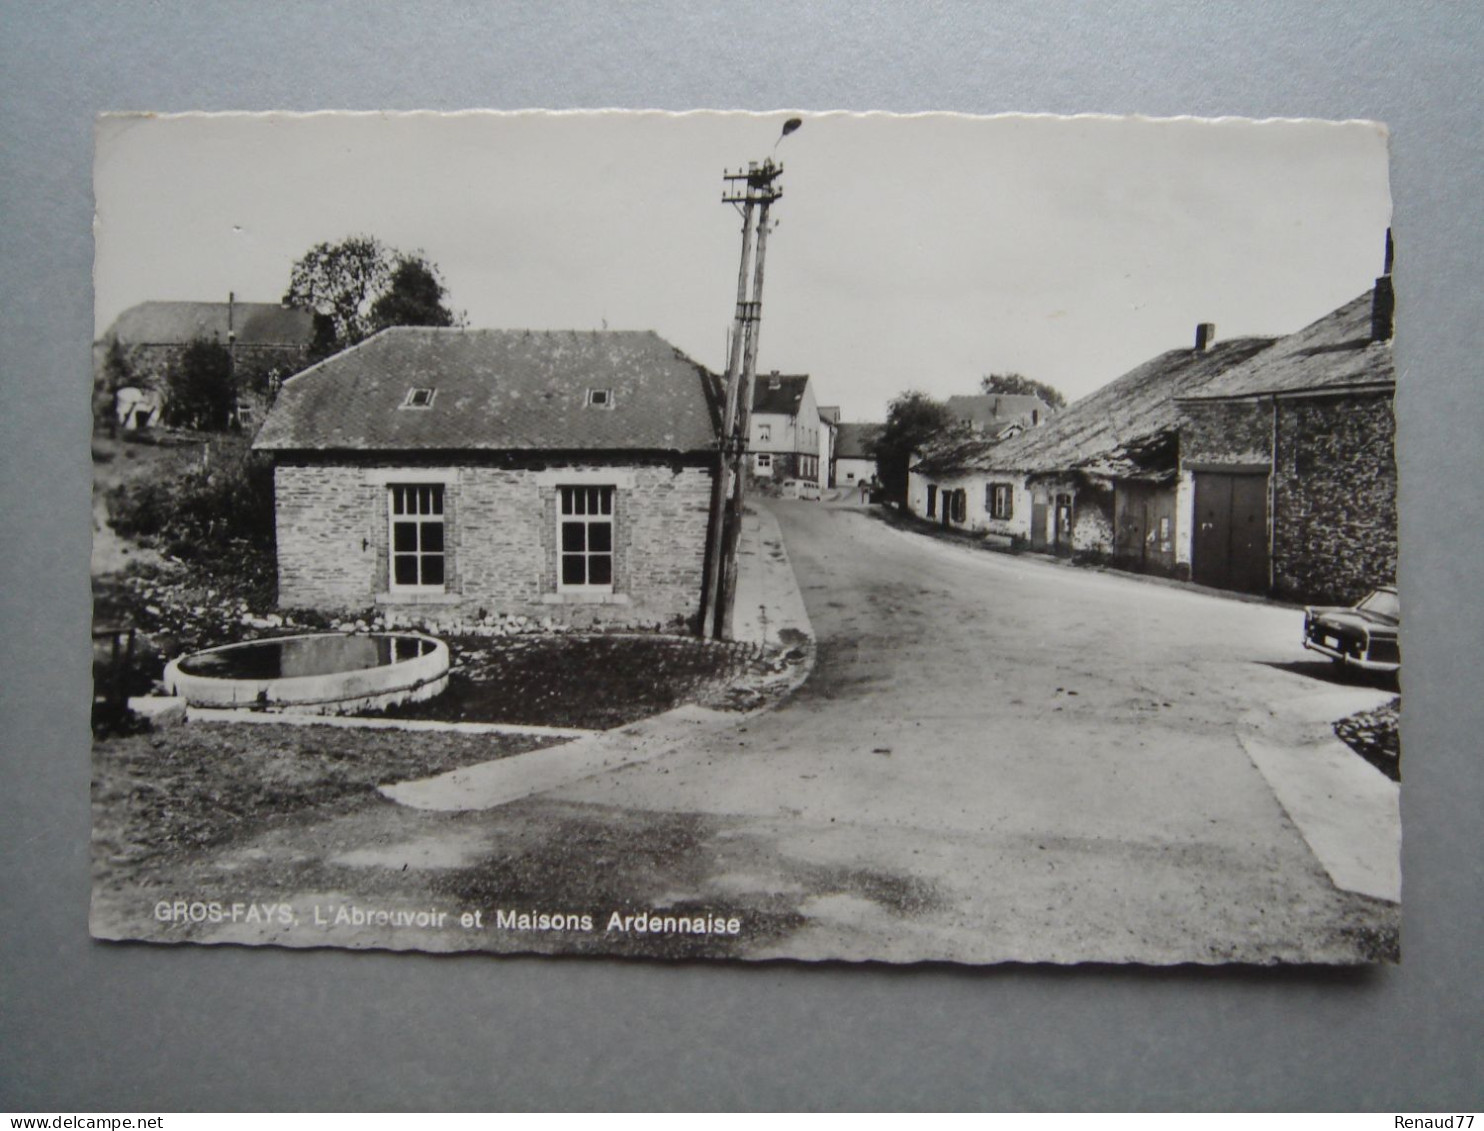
x=1257, y=464
x=446, y=473
x=795, y=439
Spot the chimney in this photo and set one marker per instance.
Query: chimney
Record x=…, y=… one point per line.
x=1205, y=335
x=1383, y=301
x=1383, y=310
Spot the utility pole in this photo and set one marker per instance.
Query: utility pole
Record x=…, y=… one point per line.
x=751, y=192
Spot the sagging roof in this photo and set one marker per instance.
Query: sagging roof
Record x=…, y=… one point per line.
x=853, y=441
x=432, y=389
x=994, y=412
x=1117, y=426
x=179, y=323
x=1335, y=353
x=781, y=394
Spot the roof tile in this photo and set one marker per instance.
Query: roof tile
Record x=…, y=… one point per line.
x=1334, y=352
x=498, y=390
x=178, y=323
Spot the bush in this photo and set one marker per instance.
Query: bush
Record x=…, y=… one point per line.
x=203, y=388
x=216, y=509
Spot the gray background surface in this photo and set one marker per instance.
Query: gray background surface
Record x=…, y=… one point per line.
x=90, y=1026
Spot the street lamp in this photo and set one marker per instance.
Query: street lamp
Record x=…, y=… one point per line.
x=752, y=191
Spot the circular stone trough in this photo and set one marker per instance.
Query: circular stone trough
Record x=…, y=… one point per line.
x=324, y=673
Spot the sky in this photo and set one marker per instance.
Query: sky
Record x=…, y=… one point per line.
x=910, y=252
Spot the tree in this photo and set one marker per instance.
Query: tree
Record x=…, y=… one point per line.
x=912, y=420
x=360, y=286
x=415, y=297
x=1015, y=383
x=203, y=391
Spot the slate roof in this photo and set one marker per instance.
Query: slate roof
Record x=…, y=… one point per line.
x=991, y=412
x=498, y=390
x=1111, y=431
x=1332, y=354
x=178, y=323
x=852, y=441
x=783, y=400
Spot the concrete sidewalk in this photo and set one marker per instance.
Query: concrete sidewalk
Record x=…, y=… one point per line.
x=769, y=611
x=1348, y=812
x=769, y=608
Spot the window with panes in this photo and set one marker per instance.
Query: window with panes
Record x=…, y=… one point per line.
x=586, y=538
x=417, y=544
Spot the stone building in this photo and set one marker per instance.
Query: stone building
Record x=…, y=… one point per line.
x=265, y=338
x=1290, y=464
x=1099, y=478
x=440, y=474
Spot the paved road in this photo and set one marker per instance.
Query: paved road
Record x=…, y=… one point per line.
x=996, y=758
x=1006, y=758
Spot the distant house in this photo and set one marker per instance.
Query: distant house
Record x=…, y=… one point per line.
x=1288, y=462
x=268, y=343
x=998, y=416
x=785, y=428
x=854, y=461
x=1100, y=477
x=441, y=472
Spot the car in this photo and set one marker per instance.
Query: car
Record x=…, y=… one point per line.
x=1364, y=636
x=801, y=489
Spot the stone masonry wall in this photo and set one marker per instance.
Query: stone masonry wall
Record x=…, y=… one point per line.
x=326, y=520
x=1335, y=529
x=501, y=541
x=252, y=364
x=1092, y=520
x=1226, y=432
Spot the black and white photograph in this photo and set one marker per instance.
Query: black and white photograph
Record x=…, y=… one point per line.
x=755, y=536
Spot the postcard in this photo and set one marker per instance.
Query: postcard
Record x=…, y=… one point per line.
x=722, y=535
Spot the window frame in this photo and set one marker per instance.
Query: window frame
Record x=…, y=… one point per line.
x=600, y=397
x=414, y=400
x=993, y=493
x=606, y=492
x=418, y=520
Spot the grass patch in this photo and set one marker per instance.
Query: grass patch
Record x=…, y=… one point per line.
x=190, y=787
x=592, y=682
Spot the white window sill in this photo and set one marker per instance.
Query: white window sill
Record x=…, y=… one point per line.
x=418, y=597
x=584, y=597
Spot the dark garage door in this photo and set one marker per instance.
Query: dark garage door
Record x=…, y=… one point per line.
x=1230, y=549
